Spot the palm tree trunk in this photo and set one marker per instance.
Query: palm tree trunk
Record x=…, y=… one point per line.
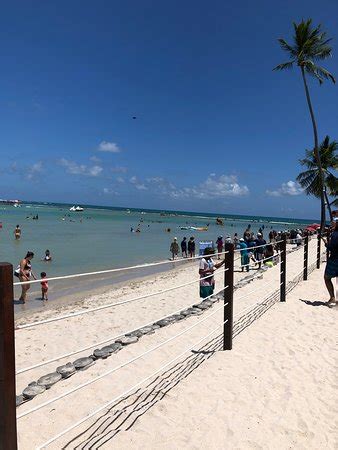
x=328, y=204
x=317, y=154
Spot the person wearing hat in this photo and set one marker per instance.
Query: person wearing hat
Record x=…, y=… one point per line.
x=244, y=255
x=174, y=248
x=207, y=268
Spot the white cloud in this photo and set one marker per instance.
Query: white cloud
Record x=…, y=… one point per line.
x=138, y=184
x=213, y=188
x=289, y=188
x=80, y=169
x=109, y=147
x=162, y=185
x=119, y=169
x=133, y=180
x=109, y=191
x=72, y=167
x=120, y=179
x=95, y=159
x=95, y=171
x=141, y=187
x=33, y=170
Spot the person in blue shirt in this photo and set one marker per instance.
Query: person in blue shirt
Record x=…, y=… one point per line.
x=251, y=243
x=244, y=255
x=331, y=270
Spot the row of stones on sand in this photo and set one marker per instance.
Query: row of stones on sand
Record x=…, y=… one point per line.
x=67, y=370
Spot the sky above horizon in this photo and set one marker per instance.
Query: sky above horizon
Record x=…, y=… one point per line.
x=160, y=105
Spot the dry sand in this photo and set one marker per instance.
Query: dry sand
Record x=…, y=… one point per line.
x=275, y=389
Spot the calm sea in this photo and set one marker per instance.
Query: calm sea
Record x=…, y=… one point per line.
x=100, y=238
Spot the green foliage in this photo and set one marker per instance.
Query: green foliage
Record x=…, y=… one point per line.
x=310, y=179
x=310, y=45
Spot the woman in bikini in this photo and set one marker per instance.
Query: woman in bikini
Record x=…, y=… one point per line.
x=25, y=272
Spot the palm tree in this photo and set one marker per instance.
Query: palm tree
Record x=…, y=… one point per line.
x=310, y=179
x=310, y=45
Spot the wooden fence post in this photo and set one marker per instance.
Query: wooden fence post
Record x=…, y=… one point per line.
x=228, y=296
x=8, y=436
x=283, y=270
x=306, y=256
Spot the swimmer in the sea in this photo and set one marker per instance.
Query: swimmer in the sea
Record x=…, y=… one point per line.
x=17, y=232
x=48, y=256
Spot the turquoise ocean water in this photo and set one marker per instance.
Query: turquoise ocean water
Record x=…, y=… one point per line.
x=100, y=238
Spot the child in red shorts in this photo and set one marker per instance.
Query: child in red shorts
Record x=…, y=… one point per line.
x=44, y=286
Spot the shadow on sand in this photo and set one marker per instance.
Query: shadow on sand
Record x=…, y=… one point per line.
x=315, y=303
x=124, y=413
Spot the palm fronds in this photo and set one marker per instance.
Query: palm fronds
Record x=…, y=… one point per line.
x=310, y=44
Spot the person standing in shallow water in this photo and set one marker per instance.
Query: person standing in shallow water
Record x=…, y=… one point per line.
x=174, y=248
x=191, y=247
x=25, y=272
x=17, y=232
x=184, y=248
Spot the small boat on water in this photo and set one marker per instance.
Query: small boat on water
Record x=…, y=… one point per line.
x=195, y=228
x=76, y=208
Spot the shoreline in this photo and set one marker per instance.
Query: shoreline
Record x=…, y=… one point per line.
x=64, y=295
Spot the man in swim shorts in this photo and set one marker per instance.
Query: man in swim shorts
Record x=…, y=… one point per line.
x=331, y=270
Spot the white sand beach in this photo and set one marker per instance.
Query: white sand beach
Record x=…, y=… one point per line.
x=264, y=393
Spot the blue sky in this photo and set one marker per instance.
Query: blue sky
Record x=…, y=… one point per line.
x=215, y=130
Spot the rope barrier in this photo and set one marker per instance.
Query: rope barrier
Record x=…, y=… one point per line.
x=131, y=389
x=119, y=269
x=106, y=405
x=108, y=372
x=249, y=293
x=262, y=260
x=257, y=246
x=110, y=305
x=125, y=364
x=111, y=338
x=253, y=306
